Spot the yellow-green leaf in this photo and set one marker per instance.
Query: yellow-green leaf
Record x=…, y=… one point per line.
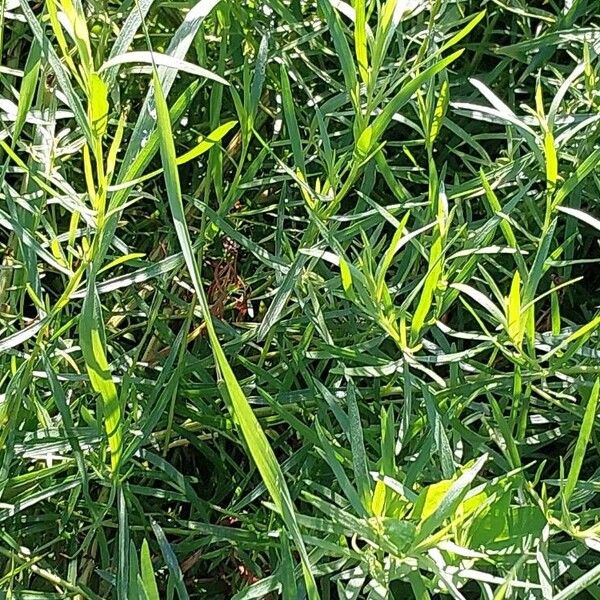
x=120, y=260
x=93, y=348
x=98, y=105
x=430, y=498
x=551, y=159
x=206, y=143
x=440, y=112
x=360, y=40
x=365, y=142
x=513, y=311
x=79, y=31
x=346, y=275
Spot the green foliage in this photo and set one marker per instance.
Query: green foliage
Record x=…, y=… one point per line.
x=299, y=299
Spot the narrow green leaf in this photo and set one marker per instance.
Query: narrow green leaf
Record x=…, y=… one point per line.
x=514, y=319
x=93, y=347
x=258, y=78
x=360, y=40
x=582, y=441
x=341, y=46
x=291, y=123
x=335, y=464
x=590, y=163
x=29, y=84
x=98, y=106
x=440, y=112
x=359, y=455
x=175, y=574
x=147, y=572
x=123, y=579
x=463, y=32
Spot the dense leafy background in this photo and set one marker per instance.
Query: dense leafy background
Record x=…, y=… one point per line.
x=387, y=210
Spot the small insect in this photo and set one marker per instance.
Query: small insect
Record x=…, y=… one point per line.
x=227, y=282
